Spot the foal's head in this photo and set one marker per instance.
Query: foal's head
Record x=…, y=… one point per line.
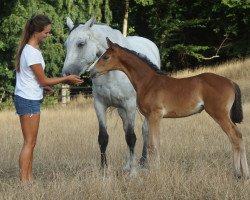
x=109, y=61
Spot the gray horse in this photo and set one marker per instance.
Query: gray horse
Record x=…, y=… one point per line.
x=84, y=45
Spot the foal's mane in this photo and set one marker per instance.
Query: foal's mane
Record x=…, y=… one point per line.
x=142, y=57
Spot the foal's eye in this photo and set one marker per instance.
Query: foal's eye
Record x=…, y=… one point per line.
x=81, y=44
x=105, y=57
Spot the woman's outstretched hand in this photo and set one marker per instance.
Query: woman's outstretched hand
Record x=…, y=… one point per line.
x=73, y=79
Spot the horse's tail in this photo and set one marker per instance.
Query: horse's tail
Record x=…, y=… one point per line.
x=236, y=110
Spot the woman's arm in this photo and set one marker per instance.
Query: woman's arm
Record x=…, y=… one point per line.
x=44, y=81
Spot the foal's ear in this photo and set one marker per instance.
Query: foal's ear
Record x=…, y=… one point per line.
x=110, y=44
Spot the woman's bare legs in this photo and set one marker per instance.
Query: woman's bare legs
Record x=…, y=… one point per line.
x=29, y=125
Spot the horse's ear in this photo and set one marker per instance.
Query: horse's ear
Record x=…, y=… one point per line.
x=70, y=23
x=90, y=23
x=110, y=44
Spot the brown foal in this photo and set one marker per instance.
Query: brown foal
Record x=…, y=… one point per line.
x=160, y=96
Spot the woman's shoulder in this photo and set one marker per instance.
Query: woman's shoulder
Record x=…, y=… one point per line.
x=30, y=50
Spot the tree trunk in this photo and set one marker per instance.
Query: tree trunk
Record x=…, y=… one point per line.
x=125, y=20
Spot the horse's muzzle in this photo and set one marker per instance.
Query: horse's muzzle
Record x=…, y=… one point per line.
x=93, y=73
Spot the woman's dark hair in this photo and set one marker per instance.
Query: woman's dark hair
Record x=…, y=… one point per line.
x=35, y=24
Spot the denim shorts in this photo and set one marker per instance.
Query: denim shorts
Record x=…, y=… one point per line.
x=26, y=106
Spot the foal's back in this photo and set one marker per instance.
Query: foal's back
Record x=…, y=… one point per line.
x=181, y=97
x=204, y=85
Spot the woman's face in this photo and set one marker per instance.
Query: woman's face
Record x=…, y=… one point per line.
x=45, y=33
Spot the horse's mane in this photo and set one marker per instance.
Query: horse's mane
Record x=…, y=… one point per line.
x=101, y=31
x=78, y=24
x=75, y=26
x=142, y=57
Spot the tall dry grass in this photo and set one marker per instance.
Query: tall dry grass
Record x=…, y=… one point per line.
x=196, y=158
x=235, y=69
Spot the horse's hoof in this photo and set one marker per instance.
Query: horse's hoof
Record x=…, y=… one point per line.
x=133, y=173
x=104, y=171
x=143, y=163
x=126, y=168
x=247, y=177
x=144, y=171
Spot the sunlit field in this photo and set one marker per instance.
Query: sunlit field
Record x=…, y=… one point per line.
x=196, y=156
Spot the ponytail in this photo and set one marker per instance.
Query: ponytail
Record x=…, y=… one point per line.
x=35, y=24
x=24, y=40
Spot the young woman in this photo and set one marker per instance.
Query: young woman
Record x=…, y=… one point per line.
x=31, y=82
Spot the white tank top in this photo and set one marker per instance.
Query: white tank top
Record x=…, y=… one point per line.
x=27, y=85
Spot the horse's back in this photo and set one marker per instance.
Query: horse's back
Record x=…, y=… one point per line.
x=146, y=47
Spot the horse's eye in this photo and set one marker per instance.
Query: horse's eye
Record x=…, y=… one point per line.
x=105, y=57
x=81, y=44
x=98, y=54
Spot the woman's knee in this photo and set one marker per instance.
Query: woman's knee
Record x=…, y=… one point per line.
x=30, y=144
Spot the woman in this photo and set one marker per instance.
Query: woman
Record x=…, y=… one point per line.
x=31, y=82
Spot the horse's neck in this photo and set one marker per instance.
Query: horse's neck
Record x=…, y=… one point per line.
x=101, y=32
x=138, y=72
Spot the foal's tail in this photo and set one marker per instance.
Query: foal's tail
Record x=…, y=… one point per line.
x=236, y=110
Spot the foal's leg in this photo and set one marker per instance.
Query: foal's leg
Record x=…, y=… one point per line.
x=128, y=118
x=235, y=137
x=154, y=137
x=103, y=136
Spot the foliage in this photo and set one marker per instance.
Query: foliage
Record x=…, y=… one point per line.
x=7, y=104
x=186, y=32
x=49, y=101
x=14, y=17
x=144, y=2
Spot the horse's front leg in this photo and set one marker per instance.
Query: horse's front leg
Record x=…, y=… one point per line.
x=143, y=160
x=128, y=118
x=103, y=136
x=154, y=138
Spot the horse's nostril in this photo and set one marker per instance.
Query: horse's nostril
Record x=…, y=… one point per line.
x=65, y=74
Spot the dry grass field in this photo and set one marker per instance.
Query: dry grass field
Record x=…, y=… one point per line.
x=196, y=156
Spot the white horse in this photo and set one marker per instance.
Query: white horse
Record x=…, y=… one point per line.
x=85, y=44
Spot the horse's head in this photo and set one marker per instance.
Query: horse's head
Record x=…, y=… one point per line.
x=82, y=47
x=109, y=61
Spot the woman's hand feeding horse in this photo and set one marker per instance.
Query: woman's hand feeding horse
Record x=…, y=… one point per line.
x=174, y=98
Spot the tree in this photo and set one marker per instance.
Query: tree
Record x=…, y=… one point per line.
x=125, y=20
x=14, y=15
x=188, y=32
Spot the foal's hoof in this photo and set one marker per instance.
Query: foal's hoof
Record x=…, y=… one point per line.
x=244, y=178
x=237, y=176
